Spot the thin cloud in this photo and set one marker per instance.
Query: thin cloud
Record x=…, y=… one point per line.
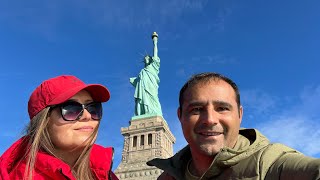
x=310, y=97
x=41, y=17
x=296, y=125
x=258, y=101
x=220, y=59
x=10, y=134
x=181, y=72
x=220, y=22
x=301, y=133
x=45, y=17
x=209, y=60
x=113, y=12
x=11, y=75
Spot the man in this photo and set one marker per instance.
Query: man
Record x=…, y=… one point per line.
x=210, y=114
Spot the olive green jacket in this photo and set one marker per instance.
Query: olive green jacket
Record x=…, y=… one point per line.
x=252, y=158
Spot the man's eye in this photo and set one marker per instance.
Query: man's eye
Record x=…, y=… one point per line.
x=196, y=110
x=222, y=108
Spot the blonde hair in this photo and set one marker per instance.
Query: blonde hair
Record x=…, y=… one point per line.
x=39, y=139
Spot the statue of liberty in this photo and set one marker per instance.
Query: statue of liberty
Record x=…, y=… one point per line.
x=147, y=85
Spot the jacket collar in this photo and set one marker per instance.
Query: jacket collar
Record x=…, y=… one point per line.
x=249, y=141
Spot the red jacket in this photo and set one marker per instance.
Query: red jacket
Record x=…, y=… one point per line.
x=13, y=163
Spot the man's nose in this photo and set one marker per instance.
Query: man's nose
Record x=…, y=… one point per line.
x=210, y=117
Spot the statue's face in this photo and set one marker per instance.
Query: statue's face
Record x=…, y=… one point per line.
x=146, y=60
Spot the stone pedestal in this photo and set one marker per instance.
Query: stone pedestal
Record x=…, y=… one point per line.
x=144, y=139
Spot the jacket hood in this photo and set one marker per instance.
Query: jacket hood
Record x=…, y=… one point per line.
x=11, y=156
x=249, y=141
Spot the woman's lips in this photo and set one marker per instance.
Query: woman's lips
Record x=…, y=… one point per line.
x=85, y=128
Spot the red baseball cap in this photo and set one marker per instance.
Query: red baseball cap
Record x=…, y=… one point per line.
x=61, y=88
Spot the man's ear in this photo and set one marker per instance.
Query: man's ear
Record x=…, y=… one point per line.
x=179, y=113
x=240, y=113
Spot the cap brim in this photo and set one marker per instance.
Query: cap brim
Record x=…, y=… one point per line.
x=98, y=93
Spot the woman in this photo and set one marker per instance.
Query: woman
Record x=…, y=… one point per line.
x=65, y=114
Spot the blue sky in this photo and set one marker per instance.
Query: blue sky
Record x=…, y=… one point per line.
x=269, y=48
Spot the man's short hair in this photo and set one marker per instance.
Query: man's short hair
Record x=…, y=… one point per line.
x=204, y=78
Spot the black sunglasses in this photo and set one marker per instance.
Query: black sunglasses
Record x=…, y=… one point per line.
x=72, y=110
